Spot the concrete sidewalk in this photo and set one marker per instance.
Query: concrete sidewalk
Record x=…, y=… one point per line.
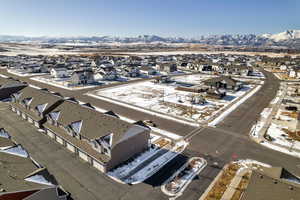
x=231, y=189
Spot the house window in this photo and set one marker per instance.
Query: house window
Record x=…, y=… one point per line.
x=76, y=126
x=40, y=108
x=55, y=115
x=105, y=150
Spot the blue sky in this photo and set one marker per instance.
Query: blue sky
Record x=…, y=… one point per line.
x=186, y=18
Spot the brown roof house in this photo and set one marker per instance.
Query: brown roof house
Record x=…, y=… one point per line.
x=9, y=86
x=224, y=82
x=33, y=104
x=101, y=139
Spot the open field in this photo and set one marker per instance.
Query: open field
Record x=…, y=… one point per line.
x=164, y=98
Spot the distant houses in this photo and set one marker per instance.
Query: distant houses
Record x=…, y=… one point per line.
x=224, y=82
x=59, y=72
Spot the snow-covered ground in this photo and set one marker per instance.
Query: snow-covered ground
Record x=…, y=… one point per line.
x=280, y=137
x=166, y=100
x=157, y=164
x=256, y=128
x=125, y=169
x=61, y=83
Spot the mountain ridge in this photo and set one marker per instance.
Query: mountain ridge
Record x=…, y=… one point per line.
x=289, y=38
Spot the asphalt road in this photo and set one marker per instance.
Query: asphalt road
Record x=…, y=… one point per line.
x=228, y=141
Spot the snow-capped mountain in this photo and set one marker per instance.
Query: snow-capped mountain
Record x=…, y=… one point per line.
x=287, y=35
x=289, y=38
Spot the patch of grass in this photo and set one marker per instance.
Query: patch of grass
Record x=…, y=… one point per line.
x=221, y=185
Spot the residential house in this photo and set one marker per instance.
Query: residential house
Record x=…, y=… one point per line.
x=167, y=67
x=59, y=71
x=9, y=86
x=33, y=104
x=101, y=139
x=131, y=71
x=162, y=79
x=82, y=77
x=22, y=177
x=106, y=75
x=274, y=183
x=215, y=93
x=147, y=70
x=294, y=72
x=224, y=82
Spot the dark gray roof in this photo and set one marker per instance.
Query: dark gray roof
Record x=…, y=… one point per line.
x=5, y=142
x=39, y=97
x=266, y=188
x=94, y=123
x=229, y=80
x=13, y=170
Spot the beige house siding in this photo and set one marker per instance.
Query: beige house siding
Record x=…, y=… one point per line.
x=128, y=148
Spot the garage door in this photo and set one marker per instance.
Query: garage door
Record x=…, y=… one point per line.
x=24, y=116
x=30, y=120
x=83, y=156
x=36, y=124
x=70, y=147
x=59, y=140
x=98, y=166
x=50, y=134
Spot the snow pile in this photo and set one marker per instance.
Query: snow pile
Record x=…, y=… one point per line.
x=275, y=100
x=256, y=128
x=266, y=112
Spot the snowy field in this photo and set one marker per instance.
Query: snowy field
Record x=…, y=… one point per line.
x=165, y=99
x=280, y=137
x=198, y=78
